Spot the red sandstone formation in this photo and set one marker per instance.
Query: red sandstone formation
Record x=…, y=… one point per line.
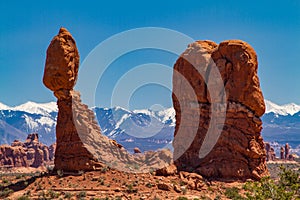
x=270, y=153
x=281, y=153
x=31, y=153
x=218, y=104
x=60, y=75
x=80, y=144
x=287, y=151
x=273, y=154
x=52, y=148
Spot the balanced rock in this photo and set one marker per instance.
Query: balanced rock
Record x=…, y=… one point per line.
x=79, y=142
x=62, y=64
x=60, y=75
x=218, y=104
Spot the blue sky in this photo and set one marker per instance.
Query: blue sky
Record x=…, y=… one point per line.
x=271, y=27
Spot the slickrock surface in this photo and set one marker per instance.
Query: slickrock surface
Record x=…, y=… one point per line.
x=31, y=153
x=80, y=144
x=218, y=104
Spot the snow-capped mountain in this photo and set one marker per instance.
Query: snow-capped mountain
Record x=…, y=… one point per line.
x=28, y=118
x=281, y=124
x=146, y=129
x=37, y=108
x=287, y=109
x=4, y=107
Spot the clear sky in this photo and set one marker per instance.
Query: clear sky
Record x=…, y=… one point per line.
x=27, y=27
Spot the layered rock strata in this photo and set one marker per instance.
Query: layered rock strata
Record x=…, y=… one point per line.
x=218, y=104
x=31, y=153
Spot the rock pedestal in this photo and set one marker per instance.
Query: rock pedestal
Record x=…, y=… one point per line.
x=218, y=104
x=287, y=151
x=60, y=75
x=282, y=153
x=79, y=142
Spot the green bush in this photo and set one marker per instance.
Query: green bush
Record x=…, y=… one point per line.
x=182, y=198
x=24, y=197
x=68, y=195
x=287, y=187
x=130, y=189
x=6, y=192
x=149, y=185
x=53, y=194
x=81, y=194
x=233, y=193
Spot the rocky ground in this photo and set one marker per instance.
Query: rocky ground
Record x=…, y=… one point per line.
x=111, y=184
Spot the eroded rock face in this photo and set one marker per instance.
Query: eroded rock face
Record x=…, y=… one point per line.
x=218, y=104
x=79, y=142
x=31, y=153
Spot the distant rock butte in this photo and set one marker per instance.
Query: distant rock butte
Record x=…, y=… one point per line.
x=238, y=153
x=80, y=144
x=31, y=153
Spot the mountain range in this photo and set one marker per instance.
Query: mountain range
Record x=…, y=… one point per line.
x=145, y=129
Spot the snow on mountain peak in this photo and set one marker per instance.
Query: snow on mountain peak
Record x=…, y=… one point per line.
x=163, y=115
x=37, y=108
x=286, y=109
x=118, y=108
x=4, y=107
x=143, y=111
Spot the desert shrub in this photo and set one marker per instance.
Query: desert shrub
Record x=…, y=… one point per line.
x=6, y=192
x=203, y=197
x=80, y=172
x=25, y=183
x=19, y=176
x=42, y=195
x=182, y=198
x=287, y=187
x=60, y=173
x=81, y=194
x=184, y=190
x=130, y=189
x=218, y=197
x=104, y=169
x=38, y=186
x=233, y=193
x=24, y=197
x=101, y=181
x=5, y=181
x=50, y=168
x=68, y=195
x=149, y=185
x=53, y=194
